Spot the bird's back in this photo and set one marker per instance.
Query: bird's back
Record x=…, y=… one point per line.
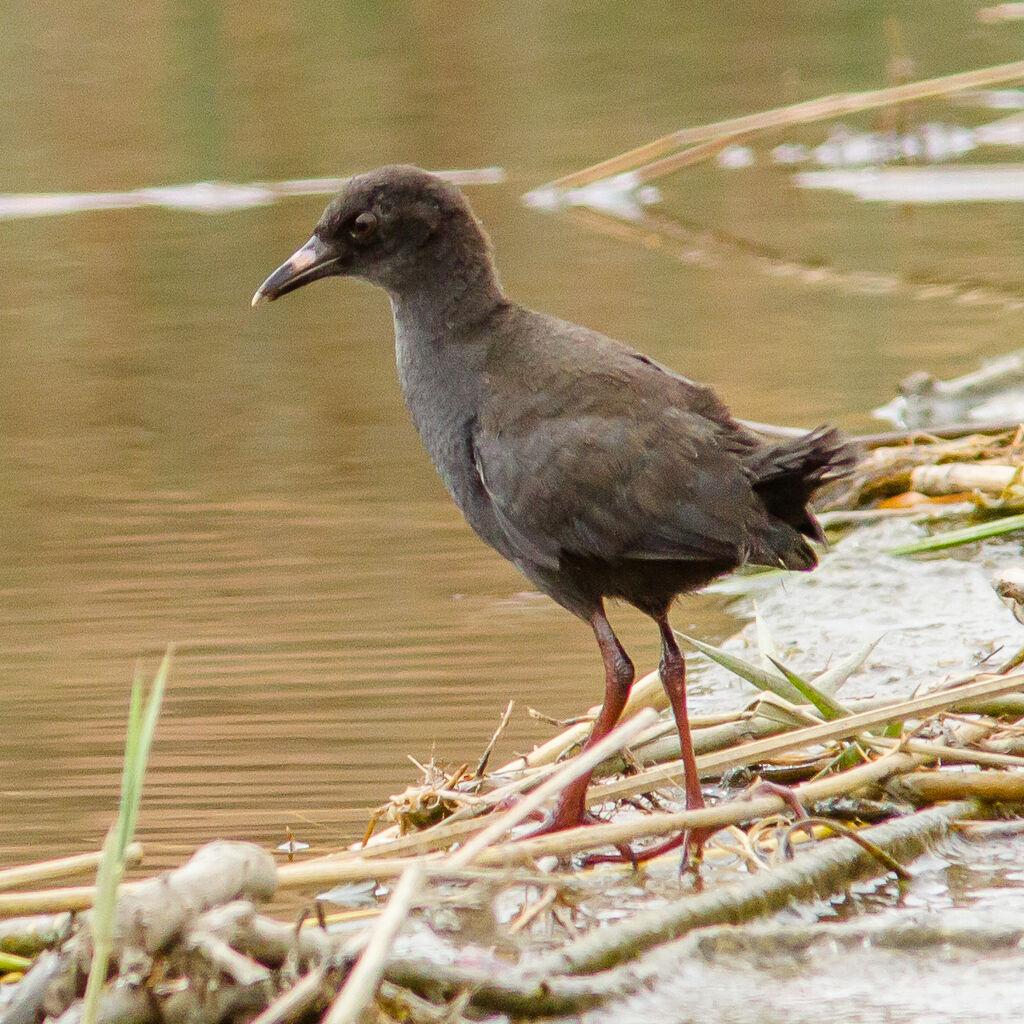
x=600, y=462
x=593, y=468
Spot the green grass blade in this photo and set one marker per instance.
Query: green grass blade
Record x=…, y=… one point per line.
x=967, y=535
x=754, y=674
x=830, y=681
x=136, y=765
x=129, y=779
x=12, y=962
x=829, y=707
x=138, y=740
x=108, y=878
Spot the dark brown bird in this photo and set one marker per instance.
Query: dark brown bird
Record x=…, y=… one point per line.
x=598, y=472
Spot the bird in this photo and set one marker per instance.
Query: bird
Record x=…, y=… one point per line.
x=600, y=473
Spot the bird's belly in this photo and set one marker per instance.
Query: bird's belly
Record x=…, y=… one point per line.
x=648, y=584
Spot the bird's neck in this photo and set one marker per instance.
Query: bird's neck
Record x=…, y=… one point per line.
x=441, y=345
x=445, y=300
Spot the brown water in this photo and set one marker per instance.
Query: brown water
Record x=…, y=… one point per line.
x=175, y=467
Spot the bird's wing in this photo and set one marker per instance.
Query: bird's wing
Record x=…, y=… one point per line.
x=612, y=487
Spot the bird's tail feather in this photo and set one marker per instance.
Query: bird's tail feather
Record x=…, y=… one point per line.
x=787, y=474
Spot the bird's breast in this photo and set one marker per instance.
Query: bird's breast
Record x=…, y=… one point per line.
x=442, y=394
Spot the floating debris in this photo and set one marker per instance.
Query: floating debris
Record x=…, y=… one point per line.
x=623, y=196
x=201, y=196
x=977, y=184
x=1000, y=12
x=734, y=157
x=993, y=99
x=1008, y=131
x=291, y=845
x=927, y=143
x=993, y=392
x=790, y=153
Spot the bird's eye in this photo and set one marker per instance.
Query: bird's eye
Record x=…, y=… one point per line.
x=363, y=226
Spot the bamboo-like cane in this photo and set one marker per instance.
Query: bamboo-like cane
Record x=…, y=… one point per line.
x=29, y=874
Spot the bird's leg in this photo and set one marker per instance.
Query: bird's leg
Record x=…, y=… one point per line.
x=618, y=679
x=673, y=677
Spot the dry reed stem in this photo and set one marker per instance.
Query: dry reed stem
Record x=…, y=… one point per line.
x=646, y=693
x=941, y=752
x=820, y=109
x=958, y=477
x=291, y=1005
x=481, y=766
x=27, y=874
x=993, y=787
x=530, y=913
x=362, y=982
x=687, y=158
x=732, y=812
x=46, y=901
x=569, y=773
x=436, y=865
x=759, y=750
x=326, y=872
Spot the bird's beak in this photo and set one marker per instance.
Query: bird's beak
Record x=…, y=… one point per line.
x=314, y=260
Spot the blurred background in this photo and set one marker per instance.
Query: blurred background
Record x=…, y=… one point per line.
x=176, y=467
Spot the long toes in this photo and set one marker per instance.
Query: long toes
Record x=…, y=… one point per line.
x=692, y=842
x=555, y=822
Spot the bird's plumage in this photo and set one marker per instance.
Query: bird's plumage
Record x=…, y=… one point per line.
x=596, y=470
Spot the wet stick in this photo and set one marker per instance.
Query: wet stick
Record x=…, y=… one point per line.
x=365, y=976
x=814, y=873
x=581, y=973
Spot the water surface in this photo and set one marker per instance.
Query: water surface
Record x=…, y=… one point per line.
x=176, y=467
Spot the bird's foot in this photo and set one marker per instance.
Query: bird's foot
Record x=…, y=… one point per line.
x=691, y=840
x=760, y=787
x=549, y=823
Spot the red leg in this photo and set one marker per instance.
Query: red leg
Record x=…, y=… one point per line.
x=618, y=679
x=673, y=677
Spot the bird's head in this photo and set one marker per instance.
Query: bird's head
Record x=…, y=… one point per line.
x=389, y=226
